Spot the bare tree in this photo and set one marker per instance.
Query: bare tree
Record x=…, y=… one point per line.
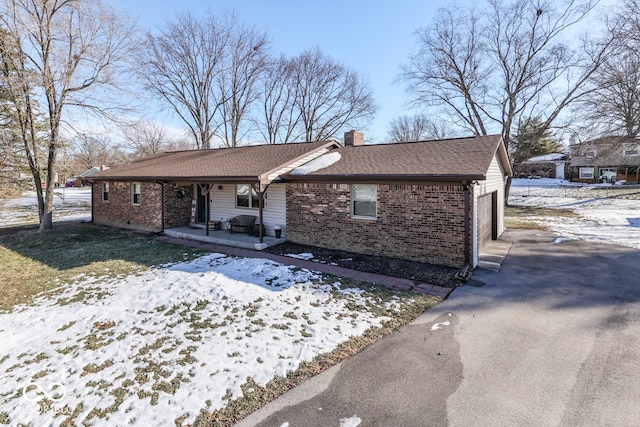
x=329, y=96
x=244, y=61
x=60, y=53
x=613, y=108
x=416, y=128
x=181, y=65
x=88, y=151
x=489, y=69
x=206, y=71
x=449, y=70
x=279, y=120
x=147, y=138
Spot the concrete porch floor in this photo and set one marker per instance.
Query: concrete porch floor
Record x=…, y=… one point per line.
x=223, y=237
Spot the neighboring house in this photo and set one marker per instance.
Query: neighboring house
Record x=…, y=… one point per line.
x=81, y=179
x=433, y=201
x=550, y=165
x=606, y=159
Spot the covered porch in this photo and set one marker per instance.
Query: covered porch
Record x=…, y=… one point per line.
x=223, y=237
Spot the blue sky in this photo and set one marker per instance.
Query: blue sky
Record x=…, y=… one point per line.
x=372, y=37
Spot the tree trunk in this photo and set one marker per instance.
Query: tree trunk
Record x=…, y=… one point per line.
x=46, y=218
x=507, y=189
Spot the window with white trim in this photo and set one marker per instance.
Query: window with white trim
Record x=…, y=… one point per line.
x=247, y=196
x=632, y=150
x=586, y=173
x=105, y=191
x=135, y=193
x=364, y=200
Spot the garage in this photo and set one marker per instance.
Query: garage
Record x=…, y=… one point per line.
x=487, y=219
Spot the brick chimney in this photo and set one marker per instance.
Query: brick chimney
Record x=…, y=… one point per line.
x=353, y=137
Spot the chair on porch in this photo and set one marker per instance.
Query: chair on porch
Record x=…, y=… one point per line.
x=242, y=223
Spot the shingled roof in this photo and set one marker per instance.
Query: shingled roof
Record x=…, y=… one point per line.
x=248, y=163
x=451, y=159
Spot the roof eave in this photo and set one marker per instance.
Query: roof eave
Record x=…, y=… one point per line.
x=170, y=179
x=504, y=158
x=384, y=178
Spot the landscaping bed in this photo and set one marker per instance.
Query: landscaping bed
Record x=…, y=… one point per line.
x=418, y=271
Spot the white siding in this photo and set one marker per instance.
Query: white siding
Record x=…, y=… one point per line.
x=223, y=206
x=495, y=182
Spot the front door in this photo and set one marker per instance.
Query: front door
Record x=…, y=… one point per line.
x=201, y=205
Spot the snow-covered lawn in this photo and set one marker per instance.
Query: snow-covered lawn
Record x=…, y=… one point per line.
x=168, y=343
x=70, y=204
x=607, y=215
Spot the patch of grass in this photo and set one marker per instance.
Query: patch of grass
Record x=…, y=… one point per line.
x=187, y=358
x=92, y=368
x=40, y=374
x=102, y=384
x=532, y=217
x=33, y=262
x=146, y=349
x=154, y=396
x=39, y=357
x=171, y=386
x=119, y=395
x=66, y=326
x=94, y=342
x=151, y=370
x=411, y=306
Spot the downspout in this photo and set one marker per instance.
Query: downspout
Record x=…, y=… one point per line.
x=162, y=204
x=92, y=198
x=465, y=272
x=467, y=225
x=207, y=209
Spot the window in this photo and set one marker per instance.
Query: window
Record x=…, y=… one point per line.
x=135, y=193
x=607, y=174
x=105, y=191
x=246, y=197
x=586, y=173
x=632, y=150
x=364, y=200
x=589, y=152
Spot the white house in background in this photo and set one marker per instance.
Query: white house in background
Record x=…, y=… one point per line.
x=558, y=160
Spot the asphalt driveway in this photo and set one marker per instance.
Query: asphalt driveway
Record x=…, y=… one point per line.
x=552, y=339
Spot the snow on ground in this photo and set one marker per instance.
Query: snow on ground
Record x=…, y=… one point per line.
x=607, y=215
x=307, y=256
x=165, y=344
x=70, y=204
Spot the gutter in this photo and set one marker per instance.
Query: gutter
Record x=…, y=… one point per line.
x=187, y=179
x=384, y=178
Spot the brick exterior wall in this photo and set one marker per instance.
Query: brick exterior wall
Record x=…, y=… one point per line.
x=416, y=222
x=177, y=205
x=120, y=212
